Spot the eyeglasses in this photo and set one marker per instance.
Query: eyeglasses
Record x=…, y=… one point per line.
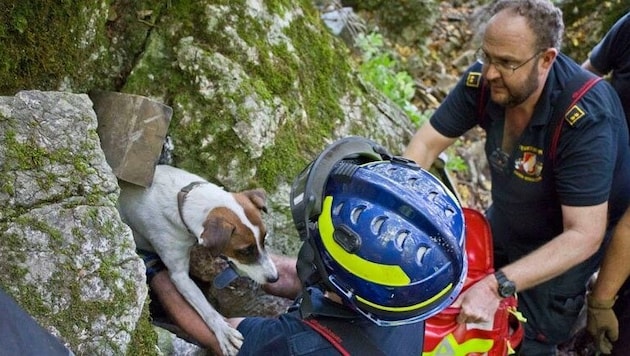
x=505, y=67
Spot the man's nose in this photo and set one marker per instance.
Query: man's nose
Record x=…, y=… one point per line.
x=491, y=72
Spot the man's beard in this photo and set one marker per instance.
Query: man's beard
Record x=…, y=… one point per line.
x=517, y=95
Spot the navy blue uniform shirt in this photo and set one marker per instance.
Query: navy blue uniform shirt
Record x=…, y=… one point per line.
x=612, y=53
x=287, y=335
x=591, y=166
x=592, y=161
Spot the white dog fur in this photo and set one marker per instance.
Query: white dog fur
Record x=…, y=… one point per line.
x=229, y=224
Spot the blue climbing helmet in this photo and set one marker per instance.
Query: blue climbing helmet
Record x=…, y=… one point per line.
x=384, y=234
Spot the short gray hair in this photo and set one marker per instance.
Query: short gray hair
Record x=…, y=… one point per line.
x=543, y=18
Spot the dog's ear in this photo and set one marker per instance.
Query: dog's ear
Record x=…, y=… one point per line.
x=216, y=234
x=258, y=197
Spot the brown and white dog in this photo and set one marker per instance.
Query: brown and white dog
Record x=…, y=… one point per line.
x=181, y=209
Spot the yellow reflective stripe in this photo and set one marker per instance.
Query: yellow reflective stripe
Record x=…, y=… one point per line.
x=389, y=275
x=450, y=347
x=410, y=307
x=517, y=314
x=510, y=349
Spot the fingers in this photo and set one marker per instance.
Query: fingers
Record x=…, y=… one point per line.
x=613, y=333
x=464, y=318
x=602, y=323
x=474, y=314
x=604, y=345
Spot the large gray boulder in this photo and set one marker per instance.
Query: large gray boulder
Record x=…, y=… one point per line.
x=65, y=255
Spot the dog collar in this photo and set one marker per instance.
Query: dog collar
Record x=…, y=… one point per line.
x=181, y=196
x=226, y=276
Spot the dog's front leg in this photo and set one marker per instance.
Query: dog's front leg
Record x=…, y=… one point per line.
x=229, y=338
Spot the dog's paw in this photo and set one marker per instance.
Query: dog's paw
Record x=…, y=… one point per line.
x=230, y=340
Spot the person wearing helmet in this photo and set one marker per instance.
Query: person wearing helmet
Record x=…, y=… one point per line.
x=382, y=252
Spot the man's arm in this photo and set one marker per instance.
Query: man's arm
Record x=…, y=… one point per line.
x=181, y=313
x=187, y=319
x=602, y=323
x=589, y=66
x=288, y=284
x=615, y=268
x=426, y=145
x=583, y=233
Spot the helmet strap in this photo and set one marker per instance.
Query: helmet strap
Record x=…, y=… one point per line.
x=305, y=265
x=310, y=269
x=324, y=308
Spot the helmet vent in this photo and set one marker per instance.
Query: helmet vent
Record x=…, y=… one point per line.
x=401, y=237
x=356, y=213
x=422, y=251
x=337, y=209
x=377, y=224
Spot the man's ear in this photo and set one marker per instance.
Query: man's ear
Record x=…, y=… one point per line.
x=549, y=56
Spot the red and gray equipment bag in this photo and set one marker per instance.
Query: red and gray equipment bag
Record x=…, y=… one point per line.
x=444, y=336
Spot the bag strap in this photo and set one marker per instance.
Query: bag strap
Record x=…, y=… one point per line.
x=344, y=336
x=336, y=326
x=579, y=85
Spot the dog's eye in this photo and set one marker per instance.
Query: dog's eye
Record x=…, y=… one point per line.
x=247, y=252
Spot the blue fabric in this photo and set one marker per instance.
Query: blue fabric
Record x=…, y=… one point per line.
x=592, y=165
x=20, y=334
x=152, y=263
x=612, y=53
x=287, y=334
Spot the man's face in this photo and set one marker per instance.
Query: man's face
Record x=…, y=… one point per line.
x=510, y=59
x=510, y=90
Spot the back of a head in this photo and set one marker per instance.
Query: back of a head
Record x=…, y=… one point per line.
x=384, y=234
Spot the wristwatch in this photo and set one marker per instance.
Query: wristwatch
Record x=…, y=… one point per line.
x=506, y=287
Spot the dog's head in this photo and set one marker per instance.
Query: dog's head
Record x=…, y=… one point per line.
x=238, y=233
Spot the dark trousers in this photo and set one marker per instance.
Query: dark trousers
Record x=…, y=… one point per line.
x=551, y=308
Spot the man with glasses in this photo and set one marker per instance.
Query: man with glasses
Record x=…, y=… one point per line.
x=554, y=197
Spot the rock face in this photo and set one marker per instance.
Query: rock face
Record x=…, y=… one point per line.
x=66, y=256
x=258, y=88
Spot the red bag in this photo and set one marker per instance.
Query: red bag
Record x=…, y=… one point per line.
x=444, y=336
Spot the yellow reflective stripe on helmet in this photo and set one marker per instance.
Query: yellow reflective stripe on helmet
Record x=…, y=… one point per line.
x=389, y=275
x=450, y=347
x=410, y=307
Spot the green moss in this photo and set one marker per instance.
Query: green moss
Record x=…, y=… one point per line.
x=13, y=257
x=35, y=53
x=67, y=320
x=314, y=65
x=144, y=338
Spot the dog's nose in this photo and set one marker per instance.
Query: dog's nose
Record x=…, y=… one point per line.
x=272, y=279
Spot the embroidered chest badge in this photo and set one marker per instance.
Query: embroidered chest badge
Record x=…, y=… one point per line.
x=530, y=164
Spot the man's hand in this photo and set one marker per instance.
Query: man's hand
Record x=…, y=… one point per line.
x=288, y=284
x=602, y=323
x=478, y=303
